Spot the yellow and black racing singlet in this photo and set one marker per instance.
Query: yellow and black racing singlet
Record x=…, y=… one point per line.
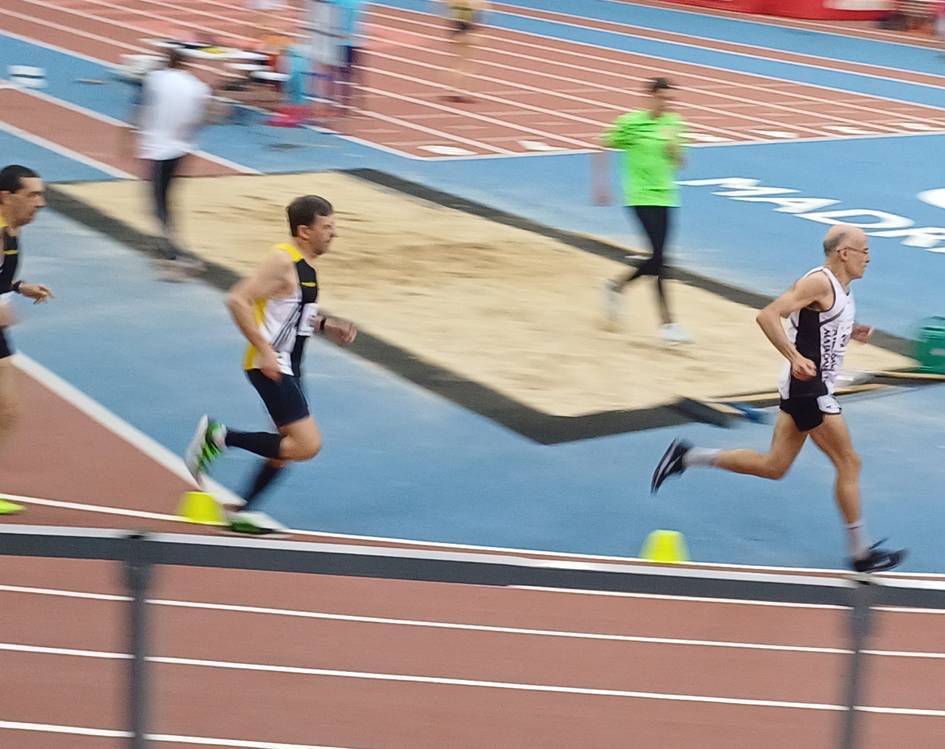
x=463, y=12
x=8, y=261
x=286, y=322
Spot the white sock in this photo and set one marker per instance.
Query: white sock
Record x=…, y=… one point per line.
x=700, y=456
x=857, y=544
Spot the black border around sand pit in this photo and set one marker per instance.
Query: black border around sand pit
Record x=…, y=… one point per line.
x=531, y=423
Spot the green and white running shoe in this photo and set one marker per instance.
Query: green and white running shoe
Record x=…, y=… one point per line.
x=254, y=523
x=206, y=446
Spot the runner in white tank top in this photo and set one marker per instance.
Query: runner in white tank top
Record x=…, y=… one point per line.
x=821, y=336
x=820, y=311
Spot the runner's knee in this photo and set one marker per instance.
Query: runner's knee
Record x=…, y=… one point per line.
x=310, y=448
x=849, y=463
x=305, y=448
x=776, y=468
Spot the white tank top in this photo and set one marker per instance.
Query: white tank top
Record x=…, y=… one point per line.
x=286, y=322
x=822, y=337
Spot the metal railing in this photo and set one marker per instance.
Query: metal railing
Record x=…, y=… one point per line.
x=139, y=553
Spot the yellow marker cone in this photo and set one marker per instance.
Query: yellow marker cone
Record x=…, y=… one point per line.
x=666, y=547
x=9, y=508
x=200, y=507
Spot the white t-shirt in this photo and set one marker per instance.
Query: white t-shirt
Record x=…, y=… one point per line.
x=320, y=22
x=174, y=103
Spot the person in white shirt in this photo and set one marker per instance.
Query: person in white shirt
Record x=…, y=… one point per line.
x=174, y=105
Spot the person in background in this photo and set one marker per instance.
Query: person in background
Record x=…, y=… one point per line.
x=938, y=23
x=348, y=75
x=463, y=20
x=174, y=104
x=265, y=20
x=652, y=143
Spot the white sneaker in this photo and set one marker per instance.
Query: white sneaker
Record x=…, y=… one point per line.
x=613, y=307
x=205, y=446
x=674, y=333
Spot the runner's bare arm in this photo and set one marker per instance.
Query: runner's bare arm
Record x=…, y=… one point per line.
x=267, y=281
x=810, y=290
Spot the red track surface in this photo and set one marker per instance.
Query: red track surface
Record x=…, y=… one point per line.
x=532, y=93
x=331, y=661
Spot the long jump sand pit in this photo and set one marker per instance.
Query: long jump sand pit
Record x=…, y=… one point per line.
x=513, y=310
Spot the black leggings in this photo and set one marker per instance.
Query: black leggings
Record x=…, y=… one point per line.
x=162, y=173
x=655, y=222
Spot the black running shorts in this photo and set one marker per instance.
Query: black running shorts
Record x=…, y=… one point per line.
x=284, y=398
x=808, y=412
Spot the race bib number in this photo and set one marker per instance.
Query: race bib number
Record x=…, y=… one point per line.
x=307, y=323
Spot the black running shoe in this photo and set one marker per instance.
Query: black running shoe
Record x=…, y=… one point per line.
x=670, y=464
x=878, y=560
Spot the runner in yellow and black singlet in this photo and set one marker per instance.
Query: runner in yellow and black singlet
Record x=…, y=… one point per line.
x=276, y=309
x=463, y=19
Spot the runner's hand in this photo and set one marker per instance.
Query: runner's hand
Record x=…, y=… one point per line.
x=862, y=333
x=36, y=291
x=803, y=368
x=269, y=365
x=342, y=332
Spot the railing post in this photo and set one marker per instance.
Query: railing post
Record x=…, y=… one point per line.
x=138, y=577
x=861, y=616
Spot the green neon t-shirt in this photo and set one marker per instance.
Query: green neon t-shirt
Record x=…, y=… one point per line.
x=649, y=168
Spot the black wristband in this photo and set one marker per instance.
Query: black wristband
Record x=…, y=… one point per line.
x=16, y=287
x=321, y=324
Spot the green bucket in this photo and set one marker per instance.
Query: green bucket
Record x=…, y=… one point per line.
x=930, y=346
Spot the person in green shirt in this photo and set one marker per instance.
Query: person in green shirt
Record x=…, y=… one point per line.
x=651, y=140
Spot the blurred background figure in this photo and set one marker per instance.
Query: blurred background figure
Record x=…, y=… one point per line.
x=463, y=17
x=348, y=75
x=320, y=26
x=264, y=16
x=939, y=23
x=173, y=106
x=651, y=140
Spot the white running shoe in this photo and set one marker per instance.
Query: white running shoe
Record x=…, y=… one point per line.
x=205, y=446
x=674, y=333
x=613, y=304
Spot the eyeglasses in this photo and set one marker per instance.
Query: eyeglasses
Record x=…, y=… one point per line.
x=854, y=249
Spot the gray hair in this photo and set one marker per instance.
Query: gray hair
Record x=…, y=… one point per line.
x=833, y=241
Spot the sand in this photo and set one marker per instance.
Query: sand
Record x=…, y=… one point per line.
x=513, y=310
